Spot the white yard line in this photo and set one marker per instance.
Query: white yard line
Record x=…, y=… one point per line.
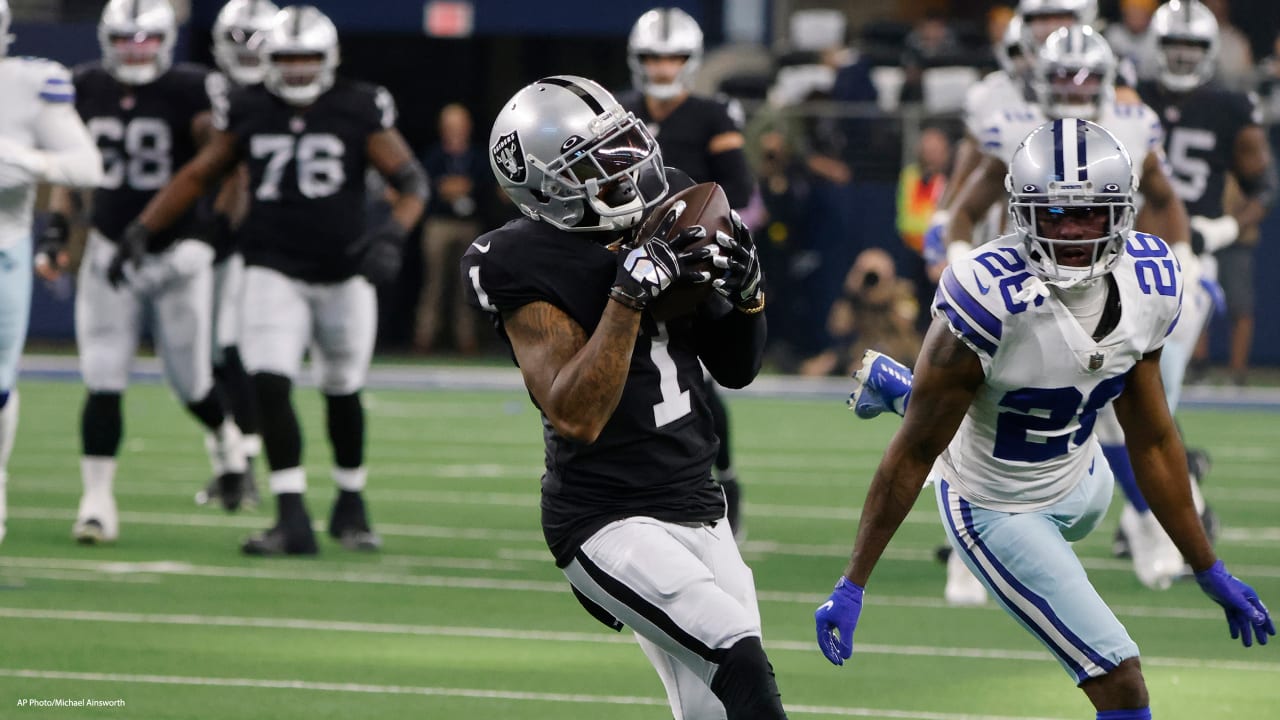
x=470, y=693
x=599, y=638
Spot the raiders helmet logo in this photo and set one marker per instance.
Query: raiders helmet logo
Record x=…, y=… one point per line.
x=508, y=156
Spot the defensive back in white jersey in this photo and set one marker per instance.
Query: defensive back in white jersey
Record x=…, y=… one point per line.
x=42, y=139
x=1026, y=441
x=1135, y=125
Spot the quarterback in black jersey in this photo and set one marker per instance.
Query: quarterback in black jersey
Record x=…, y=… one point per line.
x=307, y=138
x=147, y=117
x=1212, y=132
x=700, y=135
x=629, y=508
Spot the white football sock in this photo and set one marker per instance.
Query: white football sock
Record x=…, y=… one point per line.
x=97, y=473
x=252, y=445
x=351, y=479
x=8, y=428
x=226, y=449
x=289, y=480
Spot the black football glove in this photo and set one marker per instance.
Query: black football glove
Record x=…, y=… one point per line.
x=53, y=241
x=384, y=249
x=130, y=248
x=738, y=257
x=648, y=269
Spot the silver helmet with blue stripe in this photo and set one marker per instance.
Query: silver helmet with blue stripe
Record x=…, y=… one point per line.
x=1071, y=185
x=1075, y=73
x=567, y=153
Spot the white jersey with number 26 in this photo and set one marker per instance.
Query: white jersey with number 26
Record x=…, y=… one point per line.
x=1026, y=440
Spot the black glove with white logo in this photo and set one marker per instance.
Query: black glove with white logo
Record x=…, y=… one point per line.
x=738, y=256
x=383, y=253
x=648, y=269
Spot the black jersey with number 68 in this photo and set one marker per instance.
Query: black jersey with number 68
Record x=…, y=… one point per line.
x=1200, y=129
x=144, y=134
x=307, y=176
x=654, y=455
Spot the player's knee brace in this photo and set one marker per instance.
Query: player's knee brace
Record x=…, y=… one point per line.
x=101, y=425
x=346, y=429
x=745, y=683
x=281, y=436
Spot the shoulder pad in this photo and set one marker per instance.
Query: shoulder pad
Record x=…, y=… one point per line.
x=963, y=298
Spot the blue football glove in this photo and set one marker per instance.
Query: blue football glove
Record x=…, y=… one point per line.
x=1246, y=615
x=1216, y=294
x=934, y=249
x=836, y=619
x=881, y=384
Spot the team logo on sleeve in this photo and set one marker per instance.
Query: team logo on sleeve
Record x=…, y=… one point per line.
x=508, y=157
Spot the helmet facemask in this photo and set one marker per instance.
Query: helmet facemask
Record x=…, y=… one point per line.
x=605, y=173
x=136, y=58
x=298, y=77
x=237, y=55
x=1073, y=234
x=1066, y=91
x=1185, y=63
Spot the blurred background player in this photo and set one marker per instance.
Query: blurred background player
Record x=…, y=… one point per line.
x=235, y=50
x=701, y=136
x=307, y=137
x=42, y=140
x=148, y=116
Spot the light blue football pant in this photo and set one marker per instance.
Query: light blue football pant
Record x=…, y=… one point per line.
x=15, y=308
x=1026, y=562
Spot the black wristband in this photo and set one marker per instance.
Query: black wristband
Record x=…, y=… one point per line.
x=622, y=297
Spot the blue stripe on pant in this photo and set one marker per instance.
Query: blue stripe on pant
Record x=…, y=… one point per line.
x=1026, y=562
x=15, y=308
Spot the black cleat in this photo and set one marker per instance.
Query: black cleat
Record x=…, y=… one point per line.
x=349, y=523
x=232, y=491
x=1120, y=544
x=942, y=553
x=275, y=541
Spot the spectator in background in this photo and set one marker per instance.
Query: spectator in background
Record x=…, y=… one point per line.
x=460, y=182
x=1235, y=59
x=1268, y=85
x=1132, y=40
x=929, y=44
x=920, y=187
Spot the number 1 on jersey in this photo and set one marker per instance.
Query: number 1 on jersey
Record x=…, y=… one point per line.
x=675, y=402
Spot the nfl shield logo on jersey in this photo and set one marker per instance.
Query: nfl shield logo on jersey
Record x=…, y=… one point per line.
x=508, y=156
x=1095, y=362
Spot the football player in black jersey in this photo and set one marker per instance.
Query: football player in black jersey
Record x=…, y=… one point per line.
x=147, y=117
x=307, y=138
x=629, y=508
x=700, y=135
x=1211, y=132
x=235, y=33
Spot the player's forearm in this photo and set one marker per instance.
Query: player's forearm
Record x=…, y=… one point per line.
x=587, y=388
x=407, y=210
x=893, y=493
x=172, y=202
x=1166, y=218
x=1161, y=472
x=732, y=347
x=79, y=168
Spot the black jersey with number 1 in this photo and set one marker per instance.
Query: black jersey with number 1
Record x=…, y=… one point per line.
x=1200, y=129
x=145, y=134
x=306, y=176
x=653, y=457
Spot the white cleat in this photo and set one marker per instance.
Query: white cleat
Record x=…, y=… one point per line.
x=97, y=521
x=963, y=588
x=1156, y=560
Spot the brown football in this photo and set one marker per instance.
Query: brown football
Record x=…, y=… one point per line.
x=705, y=205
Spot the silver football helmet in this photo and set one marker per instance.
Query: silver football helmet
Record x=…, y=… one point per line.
x=567, y=153
x=235, y=39
x=1071, y=186
x=137, y=38
x=664, y=32
x=1009, y=52
x=1074, y=73
x=300, y=54
x=1187, y=37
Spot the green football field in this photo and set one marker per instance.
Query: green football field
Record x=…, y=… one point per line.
x=463, y=615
